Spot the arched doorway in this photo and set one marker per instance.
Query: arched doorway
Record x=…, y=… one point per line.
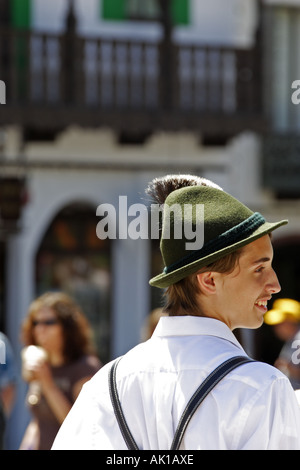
x=73, y=259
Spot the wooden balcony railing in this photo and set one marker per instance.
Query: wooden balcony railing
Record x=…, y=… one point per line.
x=57, y=80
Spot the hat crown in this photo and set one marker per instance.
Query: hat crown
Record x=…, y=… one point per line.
x=220, y=214
x=225, y=225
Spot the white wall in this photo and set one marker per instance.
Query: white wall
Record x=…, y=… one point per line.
x=216, y=21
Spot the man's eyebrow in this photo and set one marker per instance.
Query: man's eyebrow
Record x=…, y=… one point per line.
x=262, y=260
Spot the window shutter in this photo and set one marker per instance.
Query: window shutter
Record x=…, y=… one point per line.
x=116, y=10
x=180, y=11
x=113, y=9
x=21, y=13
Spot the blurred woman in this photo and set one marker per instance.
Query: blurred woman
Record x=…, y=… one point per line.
x=58, y=359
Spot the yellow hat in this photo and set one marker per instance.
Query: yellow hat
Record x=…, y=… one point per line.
x=283, y=309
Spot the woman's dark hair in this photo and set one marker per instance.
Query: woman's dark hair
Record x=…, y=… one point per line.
x=77, y=333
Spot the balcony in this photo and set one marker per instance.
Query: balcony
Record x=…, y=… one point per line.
x=134, y=87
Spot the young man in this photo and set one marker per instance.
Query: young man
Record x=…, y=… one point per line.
x=223, y=285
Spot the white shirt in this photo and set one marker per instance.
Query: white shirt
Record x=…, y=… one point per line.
x=253, y=407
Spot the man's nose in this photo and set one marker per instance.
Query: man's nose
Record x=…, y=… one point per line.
x=273, y=285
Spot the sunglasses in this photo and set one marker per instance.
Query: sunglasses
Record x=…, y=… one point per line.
x=50, y=322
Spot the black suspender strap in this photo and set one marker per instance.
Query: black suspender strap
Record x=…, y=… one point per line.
x=203, y=390
x=130, y=442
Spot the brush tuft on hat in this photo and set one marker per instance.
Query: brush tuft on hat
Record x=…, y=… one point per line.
x=160, y=188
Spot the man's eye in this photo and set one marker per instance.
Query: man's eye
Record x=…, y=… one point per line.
x=260, y=269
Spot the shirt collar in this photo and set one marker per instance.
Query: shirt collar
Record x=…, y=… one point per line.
x=193, y=326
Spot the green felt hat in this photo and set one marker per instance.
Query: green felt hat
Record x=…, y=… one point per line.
x=227, y=225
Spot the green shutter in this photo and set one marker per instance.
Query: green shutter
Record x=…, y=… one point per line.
x=116, y=10
x=21, y=19
x=180, y=11
x=113, y=9
x=21, y=13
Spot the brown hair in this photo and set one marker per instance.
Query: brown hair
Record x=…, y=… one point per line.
x=76, y=329
x=182, y=297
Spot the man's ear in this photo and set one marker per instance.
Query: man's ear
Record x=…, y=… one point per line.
x=206, y=282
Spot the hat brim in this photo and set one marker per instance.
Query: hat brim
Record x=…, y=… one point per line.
x=164, y=280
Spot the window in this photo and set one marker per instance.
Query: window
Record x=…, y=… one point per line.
x=72, y=259
x=120, y=10
x=145, y=10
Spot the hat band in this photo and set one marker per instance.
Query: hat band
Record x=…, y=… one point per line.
x=235, y=234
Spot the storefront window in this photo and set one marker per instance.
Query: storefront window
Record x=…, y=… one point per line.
x=71, y=258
